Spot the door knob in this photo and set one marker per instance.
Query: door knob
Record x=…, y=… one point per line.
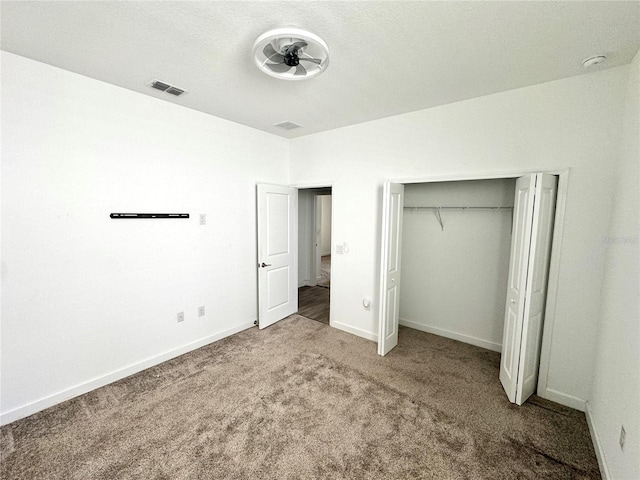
x=265, y=264
x=513, y=300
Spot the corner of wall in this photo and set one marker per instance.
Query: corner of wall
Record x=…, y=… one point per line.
x=597, y=444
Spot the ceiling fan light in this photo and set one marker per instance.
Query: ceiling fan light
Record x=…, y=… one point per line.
x=291, y=54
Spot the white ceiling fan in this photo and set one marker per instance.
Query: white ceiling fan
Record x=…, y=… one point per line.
x=291, y=54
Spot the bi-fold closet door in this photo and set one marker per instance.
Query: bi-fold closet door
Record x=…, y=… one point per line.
x=534, y=213
x=534, y=210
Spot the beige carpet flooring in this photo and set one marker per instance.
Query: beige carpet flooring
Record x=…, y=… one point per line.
x=300, y=400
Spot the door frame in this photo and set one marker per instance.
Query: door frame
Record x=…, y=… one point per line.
x=318, y=221
x=554, y=265
x=332, y=185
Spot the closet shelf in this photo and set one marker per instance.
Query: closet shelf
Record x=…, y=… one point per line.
x=458, y=208
x=438, y=211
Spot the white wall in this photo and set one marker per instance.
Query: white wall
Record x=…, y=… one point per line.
x=87, y=299
x=615, y=398
x=574, y=122
x=454, y=280
x=325, y=226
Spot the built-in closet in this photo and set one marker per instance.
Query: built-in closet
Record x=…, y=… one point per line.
x=469, y=260
x=455, y=258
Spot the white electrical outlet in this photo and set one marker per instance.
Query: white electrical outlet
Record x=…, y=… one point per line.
x=201, y=311
x=203, y=219
x=339, y=249
x=181, y=316
x=623, y=434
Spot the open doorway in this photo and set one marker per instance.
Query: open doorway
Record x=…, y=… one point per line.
x=314, y=253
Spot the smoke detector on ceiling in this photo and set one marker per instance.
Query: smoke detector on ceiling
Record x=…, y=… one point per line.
x=291, y=54
x=592, y=61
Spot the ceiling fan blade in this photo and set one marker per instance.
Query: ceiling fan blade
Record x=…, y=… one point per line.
x=300, y=70
x=278, y=67
x=296, y=46
x=271, y=54
x=314, y=60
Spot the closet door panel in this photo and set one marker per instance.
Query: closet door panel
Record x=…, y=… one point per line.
x=538, y=275
x=392, y=305
x=518, y=269
x=389, y=309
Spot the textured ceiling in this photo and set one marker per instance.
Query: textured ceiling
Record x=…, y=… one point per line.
x=387, y=57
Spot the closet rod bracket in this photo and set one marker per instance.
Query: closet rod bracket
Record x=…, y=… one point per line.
x=439, y=217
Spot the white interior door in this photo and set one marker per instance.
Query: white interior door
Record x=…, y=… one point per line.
x=277, y=253
x=539, y=256
x=392, y=203
x=516, y=286
x=534, y=212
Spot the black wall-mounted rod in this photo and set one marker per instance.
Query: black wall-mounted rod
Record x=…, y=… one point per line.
x=149, y=215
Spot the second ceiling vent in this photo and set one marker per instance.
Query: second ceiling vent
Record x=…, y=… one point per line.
x=287, y=125
x=166, y=88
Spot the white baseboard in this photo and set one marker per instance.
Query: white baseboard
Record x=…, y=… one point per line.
x=602, y=463
x=562, y=398
x=478, y=342
x=80, y=389
x=355, y=331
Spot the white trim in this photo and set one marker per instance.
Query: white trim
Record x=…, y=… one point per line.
x=82, y=388
x=478, y=342
x=552, y=282
x=563, y=399
x=306, y=186
x=597, y=445
x=316, y=270
x=354, y=331
x=459, y=177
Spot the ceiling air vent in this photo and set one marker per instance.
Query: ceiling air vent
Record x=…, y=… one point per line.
x=166, y=88
x=174, y=91
x=287, y=125
x=160, y=85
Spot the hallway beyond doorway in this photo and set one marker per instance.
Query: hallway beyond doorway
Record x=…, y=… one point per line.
x=325, y=272
x=313, y=302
